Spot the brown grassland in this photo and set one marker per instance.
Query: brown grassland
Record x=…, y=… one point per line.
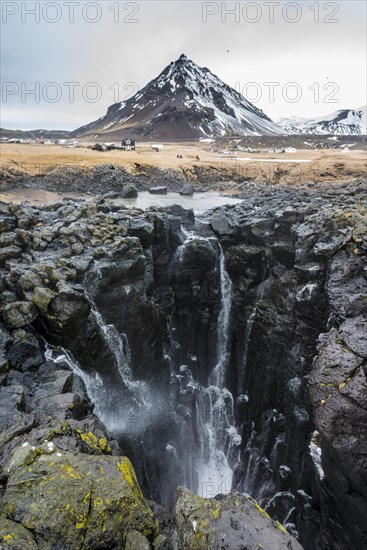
x=289, y=168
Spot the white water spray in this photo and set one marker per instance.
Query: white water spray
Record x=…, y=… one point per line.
x=222, y=441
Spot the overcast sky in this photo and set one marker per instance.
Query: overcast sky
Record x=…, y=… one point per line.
x=322, y=52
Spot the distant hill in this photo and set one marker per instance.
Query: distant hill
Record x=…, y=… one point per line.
x=345, y=122
x=34, y=134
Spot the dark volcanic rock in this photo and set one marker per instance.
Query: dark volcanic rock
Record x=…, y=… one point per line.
x=19, y=314
x=160, y=190
x=226, y=523
x=338, y=390
x=116, y=313
x=187, y=190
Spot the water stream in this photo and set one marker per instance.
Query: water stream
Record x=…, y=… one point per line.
x=219, y=439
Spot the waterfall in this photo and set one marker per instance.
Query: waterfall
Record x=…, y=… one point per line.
x=126, y=407
x=217, y=375
x=117, y=343
x=217, y=450
x=208, y=445
x=93, y=382
x=222, y=441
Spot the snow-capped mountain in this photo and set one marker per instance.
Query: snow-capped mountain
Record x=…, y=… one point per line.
x=184, y=102
x=343, y=122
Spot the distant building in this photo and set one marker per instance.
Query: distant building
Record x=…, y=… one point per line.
x=128, y=145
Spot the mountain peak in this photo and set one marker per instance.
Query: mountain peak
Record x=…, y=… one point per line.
x=182, y=62
x=185, y=101
x=341, y=122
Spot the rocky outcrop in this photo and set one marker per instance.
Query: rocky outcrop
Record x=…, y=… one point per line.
x=225, y=523
x=102, y=178
x=338, y=391
x=79, y=502
x=64, y=481
x=111, y=323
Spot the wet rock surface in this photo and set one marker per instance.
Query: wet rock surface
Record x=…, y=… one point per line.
x=108, y=341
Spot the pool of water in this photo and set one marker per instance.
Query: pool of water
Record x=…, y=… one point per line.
x=199, y=202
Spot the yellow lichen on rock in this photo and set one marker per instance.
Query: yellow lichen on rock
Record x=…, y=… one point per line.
x=97, y=445
x=78, y=500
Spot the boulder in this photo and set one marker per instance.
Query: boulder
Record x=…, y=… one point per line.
x=129, y=191
x=70, y=501
x=160, y=190
x=25, y=352
x=19, y=314
x=29, y=280
x=221, y=224
x=7, y=223
x=9, y=252
x=12, y=405
x=42, y=298
x=143, y=229
x=7, y=239
x=68, y=310
x=230, y=522
x=187, y=190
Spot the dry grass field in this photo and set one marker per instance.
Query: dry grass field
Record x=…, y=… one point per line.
x=290, y=167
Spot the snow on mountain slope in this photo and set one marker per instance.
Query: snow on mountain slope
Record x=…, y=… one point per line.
x=184, y=102
x=342, y=122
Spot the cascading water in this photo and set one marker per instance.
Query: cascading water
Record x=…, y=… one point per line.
x=210, y=441
x=117, y=343
x=93, y=382
x=219, y=439
x=216, y=377
x=117, y=407
x=222, y=439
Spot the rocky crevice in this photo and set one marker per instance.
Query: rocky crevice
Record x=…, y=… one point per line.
x=136, y=297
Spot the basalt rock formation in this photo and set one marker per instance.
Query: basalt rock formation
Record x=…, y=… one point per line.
x=216, y=352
